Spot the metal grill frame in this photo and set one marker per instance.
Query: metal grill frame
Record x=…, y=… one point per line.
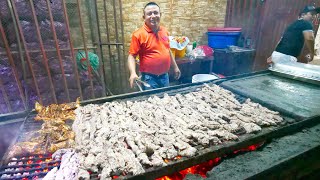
x=209, y=153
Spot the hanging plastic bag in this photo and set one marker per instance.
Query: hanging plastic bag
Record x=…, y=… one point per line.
x=178, y=45
x=201, y=52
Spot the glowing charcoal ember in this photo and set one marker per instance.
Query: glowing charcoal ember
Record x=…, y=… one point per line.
x=29, y=162
x=203, y=168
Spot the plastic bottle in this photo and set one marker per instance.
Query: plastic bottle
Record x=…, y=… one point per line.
x=194, y=44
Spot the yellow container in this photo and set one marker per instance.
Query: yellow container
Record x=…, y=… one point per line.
x=181, y=53
x=173, y=52
x=178, y=53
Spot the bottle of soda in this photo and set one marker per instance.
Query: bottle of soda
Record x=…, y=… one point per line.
x=194, y=44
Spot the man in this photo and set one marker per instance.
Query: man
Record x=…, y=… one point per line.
x=294, y=37
x=151, y=43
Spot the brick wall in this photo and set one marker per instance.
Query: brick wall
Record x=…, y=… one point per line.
x=181, y=17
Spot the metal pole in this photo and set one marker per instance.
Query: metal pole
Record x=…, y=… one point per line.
x=49, y=50
x=108, y=41
x=23, y=63
x=101, y=68
x=26, y=49
x=117, y=41
x=85, y=47
x=14, y=69
x=123, y=45
x=45, y=59
x=66, y=18
x=58, y=51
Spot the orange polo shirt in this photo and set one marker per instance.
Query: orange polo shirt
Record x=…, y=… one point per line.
x=153, y=51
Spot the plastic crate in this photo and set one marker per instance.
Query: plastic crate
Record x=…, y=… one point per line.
x=220, y=40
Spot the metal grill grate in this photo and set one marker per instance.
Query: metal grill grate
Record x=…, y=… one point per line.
x=28, y=167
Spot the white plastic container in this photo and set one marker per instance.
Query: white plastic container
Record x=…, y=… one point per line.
x=203, y=77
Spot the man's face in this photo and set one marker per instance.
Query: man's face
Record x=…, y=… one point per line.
x=152, y=16
x=309, y=16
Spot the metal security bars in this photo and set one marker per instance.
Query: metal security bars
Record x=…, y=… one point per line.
x=56, y=51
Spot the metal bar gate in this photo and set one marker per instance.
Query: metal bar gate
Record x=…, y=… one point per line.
x=56, y=51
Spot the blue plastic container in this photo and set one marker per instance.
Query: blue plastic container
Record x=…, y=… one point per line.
x=221, y=40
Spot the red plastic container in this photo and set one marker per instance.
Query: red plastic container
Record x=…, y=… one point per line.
x=228, y=29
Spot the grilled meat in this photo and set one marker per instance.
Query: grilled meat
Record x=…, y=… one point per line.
x=127, y=137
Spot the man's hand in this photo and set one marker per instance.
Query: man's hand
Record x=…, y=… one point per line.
x=309, y=57
x=132, y=78
x=177, y=73
x=269, y=60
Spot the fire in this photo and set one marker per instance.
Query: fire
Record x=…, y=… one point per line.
x=29, y=162
x=203, y=168
x=200, y=169
x=45, y=170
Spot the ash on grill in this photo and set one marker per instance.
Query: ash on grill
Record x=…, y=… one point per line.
x=121, y=138
x=28, y=167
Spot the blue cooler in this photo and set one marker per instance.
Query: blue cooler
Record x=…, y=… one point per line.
x=220, y=38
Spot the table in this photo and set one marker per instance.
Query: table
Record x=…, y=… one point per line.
x=186, y=60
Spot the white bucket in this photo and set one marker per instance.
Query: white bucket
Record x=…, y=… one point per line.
x=203, y=77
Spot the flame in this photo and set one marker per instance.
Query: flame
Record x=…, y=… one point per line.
x=29, y=162
x=203, y=168
x=39, y=162
x=45, y=170
x=178, y=157
x=200, y=169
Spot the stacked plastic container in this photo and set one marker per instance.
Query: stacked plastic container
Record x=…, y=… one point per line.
x=220, y=38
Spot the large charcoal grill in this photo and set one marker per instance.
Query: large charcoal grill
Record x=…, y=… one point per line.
x=295, y=121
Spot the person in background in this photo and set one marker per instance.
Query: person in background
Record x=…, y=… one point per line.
x=151, y=43
x=294, y=37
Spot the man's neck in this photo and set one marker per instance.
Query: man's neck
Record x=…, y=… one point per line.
x=155, y=29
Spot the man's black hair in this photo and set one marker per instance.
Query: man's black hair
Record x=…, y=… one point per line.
x=150, y=4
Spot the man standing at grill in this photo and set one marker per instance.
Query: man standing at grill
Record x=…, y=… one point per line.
x=294, y=37
x=151, y=43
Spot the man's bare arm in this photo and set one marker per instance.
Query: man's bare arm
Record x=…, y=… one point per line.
x=175, y=67
x=132, y=69
x=309, y=40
